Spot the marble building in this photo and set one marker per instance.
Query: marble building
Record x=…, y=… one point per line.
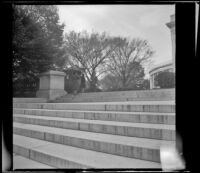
x=168, y=65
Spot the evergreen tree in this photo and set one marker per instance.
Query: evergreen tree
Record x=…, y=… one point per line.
x=37, y=40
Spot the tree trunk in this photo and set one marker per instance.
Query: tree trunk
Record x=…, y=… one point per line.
x=93, y=82
x=123, y=81
x=92, y=85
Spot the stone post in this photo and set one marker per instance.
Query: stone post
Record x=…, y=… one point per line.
x=151, y=82
x=51, y=85
x=171, y=26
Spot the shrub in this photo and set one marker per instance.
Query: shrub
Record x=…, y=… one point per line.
x=72, y=80
x=165, y=80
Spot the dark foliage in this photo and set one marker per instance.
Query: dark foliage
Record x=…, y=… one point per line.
x=37, y=41
x=165, y=80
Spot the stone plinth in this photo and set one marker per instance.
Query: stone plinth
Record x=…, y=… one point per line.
x=51, y=85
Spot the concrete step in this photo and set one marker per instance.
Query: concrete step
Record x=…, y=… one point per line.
x=136, y=117
x=62, y=156
x=161, y=94
x=29, y=100
x=140, y=148
x=143, y=130
x=104, y=99
x=139, y=106
x=20, y=162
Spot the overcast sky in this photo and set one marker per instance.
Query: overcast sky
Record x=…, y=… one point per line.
x=144, y=21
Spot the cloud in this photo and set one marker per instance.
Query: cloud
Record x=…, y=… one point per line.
x=153, y=16
x=150, y=20
x=79, y=17
x=143, y=21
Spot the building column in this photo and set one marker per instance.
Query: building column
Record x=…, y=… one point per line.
x=150, y=82
x=153, y=81
x=171, y=26
x=51, y=85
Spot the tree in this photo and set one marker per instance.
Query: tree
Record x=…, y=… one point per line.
x=113, y=83
x=146, y=84
x=72, y=80
x=165, y=79
x=37, y=40
x=89, y=52
x=110, y=83
x=125, y=62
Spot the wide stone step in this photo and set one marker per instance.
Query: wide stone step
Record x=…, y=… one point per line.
x=137, y=117
x=143, y=130
x=140, y=106
x=29, y=100
x=20, y=162
x=140, y=148
x=139, y=93
x=104, y=99
x=62, y=156
x=161, y=94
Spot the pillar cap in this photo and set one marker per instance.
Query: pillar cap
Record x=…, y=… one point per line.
x=53, y=73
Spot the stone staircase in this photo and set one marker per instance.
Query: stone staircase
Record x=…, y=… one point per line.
x=115, y=96
x=29, y=100
x=93, y=135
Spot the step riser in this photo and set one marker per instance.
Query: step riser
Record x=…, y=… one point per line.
x=168, y=94
x=110, y=148
x=29, y=100
x=135, y=118
x=100, y=107
x=99, y=128
x=120, y=95
x=76, y=100
x=47, y=159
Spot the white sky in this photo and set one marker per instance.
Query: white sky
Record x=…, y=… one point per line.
x=144, y=21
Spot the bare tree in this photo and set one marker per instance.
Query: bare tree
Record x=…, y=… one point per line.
x=109, y=83
x=89, y=52
x=125, y=62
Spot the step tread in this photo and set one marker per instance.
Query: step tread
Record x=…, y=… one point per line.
x=110, y=112
x=29, y=100
x=20, y=162
x=78, y=155
x=117, y=139
x=114, y=123
x=171, y=102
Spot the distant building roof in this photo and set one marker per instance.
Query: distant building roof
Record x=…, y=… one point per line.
x=163, y=64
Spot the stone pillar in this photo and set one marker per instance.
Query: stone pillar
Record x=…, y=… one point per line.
x=151, y=82
x=51, y=85
x=171, y=26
